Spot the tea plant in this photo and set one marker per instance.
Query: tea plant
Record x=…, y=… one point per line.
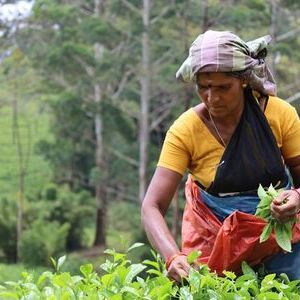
x=124, y=280
x=283, y=231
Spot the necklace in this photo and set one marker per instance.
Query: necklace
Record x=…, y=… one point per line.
x=216, y=129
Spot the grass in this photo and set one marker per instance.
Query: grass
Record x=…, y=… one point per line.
x=13, y=272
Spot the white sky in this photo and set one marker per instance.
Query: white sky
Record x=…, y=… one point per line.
x=11, y=12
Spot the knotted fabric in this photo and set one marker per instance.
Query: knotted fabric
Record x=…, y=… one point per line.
x=223, y=51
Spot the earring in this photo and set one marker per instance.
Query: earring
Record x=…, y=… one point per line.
x=244, y=85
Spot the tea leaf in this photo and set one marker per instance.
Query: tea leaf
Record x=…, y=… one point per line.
x=86, y=269
x=193, y=256
x=248, y=270
x=266, y=232
x=60, y=262
x=134, y=270
x=135, y=245
x=53, y=263
x=272, y=192
x=282, y=237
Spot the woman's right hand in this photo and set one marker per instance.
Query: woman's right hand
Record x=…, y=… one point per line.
x=179, y=268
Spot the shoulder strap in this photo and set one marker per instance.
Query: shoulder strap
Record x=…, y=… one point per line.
x=252, y=156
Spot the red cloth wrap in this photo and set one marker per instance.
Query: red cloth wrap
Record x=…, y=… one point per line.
x=225, y=245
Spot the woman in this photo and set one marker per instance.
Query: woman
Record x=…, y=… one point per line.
x=240, y=136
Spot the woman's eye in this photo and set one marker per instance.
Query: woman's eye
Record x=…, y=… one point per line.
x=224, y=88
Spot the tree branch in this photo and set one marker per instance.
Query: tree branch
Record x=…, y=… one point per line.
x=157, y=119
x=60, y=80
x=122, y=156
x=122, y=84
x=89, y=70
x=293, y=98
x=124, y=195
x=162, y=13
x=287, y=35
x=132, y=8
x=170, y=53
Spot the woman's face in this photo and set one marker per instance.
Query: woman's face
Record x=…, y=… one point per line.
x=222, y=95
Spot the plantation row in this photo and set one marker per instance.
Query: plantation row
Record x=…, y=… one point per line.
x=124, y=280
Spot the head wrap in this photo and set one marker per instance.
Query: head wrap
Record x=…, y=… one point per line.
x=223, y=51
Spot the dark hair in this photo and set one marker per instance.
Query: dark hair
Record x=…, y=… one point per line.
x=244, y=74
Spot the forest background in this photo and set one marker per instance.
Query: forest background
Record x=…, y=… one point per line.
x=87, y=93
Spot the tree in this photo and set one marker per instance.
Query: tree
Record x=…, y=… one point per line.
x=80, y=79
x=108, y=70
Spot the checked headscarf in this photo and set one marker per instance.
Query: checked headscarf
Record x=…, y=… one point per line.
x=223, y=51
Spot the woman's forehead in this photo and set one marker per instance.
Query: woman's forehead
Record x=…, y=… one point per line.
x=215, y=78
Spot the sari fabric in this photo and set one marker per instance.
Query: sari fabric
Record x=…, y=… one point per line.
x=224, y=245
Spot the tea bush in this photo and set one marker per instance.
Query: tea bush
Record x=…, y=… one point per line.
x=122, y=280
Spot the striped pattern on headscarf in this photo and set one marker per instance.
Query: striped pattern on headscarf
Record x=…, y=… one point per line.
x=223, y=51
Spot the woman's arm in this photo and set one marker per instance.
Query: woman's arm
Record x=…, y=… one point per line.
x=154, y=207
x=294, y=166
x=285, y=211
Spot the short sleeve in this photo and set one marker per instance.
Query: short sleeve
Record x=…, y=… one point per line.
x=290, y=134
x=174, y=154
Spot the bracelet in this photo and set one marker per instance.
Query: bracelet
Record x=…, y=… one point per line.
x=171, y=258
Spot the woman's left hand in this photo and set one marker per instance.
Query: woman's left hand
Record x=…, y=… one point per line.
x=286, y=205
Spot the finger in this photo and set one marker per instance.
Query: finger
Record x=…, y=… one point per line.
x=186, y=267
x=285, y=215
x=281, y=199
x=195, y=266
x=174, y=277
x=177, y=274
x=291, y=206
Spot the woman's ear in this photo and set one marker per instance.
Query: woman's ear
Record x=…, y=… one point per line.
x=245, y=83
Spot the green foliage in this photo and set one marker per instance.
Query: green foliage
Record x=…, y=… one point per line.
x=77, y=210
x=50, y=192
x=283, y=231
x=124, y=221
x=12, y=272
x=125, y=280
x=53, y=70
x=43, y=240
x=8, y=223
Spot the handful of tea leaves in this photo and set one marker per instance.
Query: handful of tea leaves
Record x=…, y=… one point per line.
x=283, y=231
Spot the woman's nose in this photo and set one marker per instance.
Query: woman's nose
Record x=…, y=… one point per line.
x=212, y=96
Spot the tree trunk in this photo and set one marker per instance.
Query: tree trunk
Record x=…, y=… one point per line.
x=273, y=30
x=100, y=185
x=23, y=159
x=20, y=213
x=144, y=102
x=205, y=9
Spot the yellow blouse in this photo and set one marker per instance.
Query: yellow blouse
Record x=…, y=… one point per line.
x=189, y=145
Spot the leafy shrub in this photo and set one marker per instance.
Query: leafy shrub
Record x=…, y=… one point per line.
x=124, y=224
x=12, y=272
x=50, y=192
x=122, y=281
x=43, y=240
x=8, y=223
x=76, y=209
